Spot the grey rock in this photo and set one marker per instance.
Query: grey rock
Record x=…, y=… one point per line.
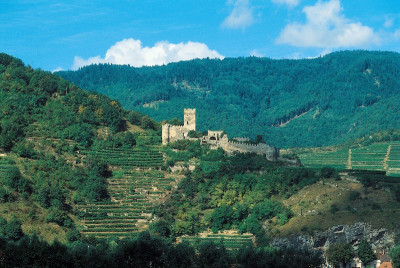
x=380, y=239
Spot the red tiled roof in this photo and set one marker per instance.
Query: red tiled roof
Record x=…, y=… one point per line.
x=386, y=265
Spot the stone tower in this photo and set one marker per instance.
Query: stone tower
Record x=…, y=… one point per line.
x=165, y=133
x=189, y=119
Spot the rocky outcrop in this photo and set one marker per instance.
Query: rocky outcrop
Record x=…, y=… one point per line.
x=380, y=239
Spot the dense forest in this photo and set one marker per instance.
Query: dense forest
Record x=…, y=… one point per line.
x=292, y=103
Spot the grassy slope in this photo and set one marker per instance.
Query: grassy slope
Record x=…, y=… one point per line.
x=377, y=207
x=31, y=214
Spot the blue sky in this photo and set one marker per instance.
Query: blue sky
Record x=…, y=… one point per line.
x=69, y=34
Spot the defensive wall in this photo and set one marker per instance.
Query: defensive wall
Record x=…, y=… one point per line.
x=215, y=139
x=270, y=152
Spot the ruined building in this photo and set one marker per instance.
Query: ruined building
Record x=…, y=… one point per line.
x=171, y=133
x=215, y=139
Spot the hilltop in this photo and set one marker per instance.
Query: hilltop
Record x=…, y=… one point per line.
x=292, y=103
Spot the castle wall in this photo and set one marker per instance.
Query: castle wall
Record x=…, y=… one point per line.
x=241, y=139
x=215, y=134
x=172, y=133
x=270, y=152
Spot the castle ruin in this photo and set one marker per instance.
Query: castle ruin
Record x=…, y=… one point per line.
x=171, y=133
x=215, y=139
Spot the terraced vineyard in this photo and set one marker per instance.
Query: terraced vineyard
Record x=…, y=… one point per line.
x=133, y=194
x=140, y=157
x=134, y=187
x=393, y=161
x=370, y=157
x=319, y=159
x=382, y=156
x=5, y=164
x=230, y=241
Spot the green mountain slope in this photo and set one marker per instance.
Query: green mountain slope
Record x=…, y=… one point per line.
x=292, y=103
x=46, y=124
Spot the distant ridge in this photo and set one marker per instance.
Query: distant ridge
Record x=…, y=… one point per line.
x=348, y=94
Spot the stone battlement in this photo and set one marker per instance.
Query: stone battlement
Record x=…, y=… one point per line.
x=174, y=126
x=270, y=152
x=241, y=139
x=249, y=145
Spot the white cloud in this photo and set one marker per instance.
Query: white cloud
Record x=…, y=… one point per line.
x=241, y=16
x=388, y=22
x=327, y=27
x=58, y=69
x=396, y=35
x=256, y=53
x=291, y=3
x=131, y=51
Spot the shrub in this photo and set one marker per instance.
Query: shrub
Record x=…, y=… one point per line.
x=175, y=122
x=13, y=229
x=56, y=216
x=395, y=255
x=334, y=208
x=25, y=150
x=5, y=195
x=365, y=252
x=129, y=140
x=339, y=253
x=354, y=195
x=195, y=134
x=160, y=228
x=15, y=181
x=72, y=235
x=328, y=172
x=222, y=218
x=134, y=118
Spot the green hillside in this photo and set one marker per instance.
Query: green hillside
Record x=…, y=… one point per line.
x=292, y=103
x=76, y=167
x=58, y=144
x=380, y=156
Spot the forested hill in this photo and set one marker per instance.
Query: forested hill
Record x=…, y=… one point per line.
x=45, y=125
x=308, y=102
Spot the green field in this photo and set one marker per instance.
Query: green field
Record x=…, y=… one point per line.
x=393, y=161
x=370, y=157
x=5, y=164
x=140, y=157
x=318, y=159
x=382, y=156
x=230, y=241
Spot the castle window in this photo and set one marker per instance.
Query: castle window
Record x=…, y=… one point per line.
x=212, y=138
